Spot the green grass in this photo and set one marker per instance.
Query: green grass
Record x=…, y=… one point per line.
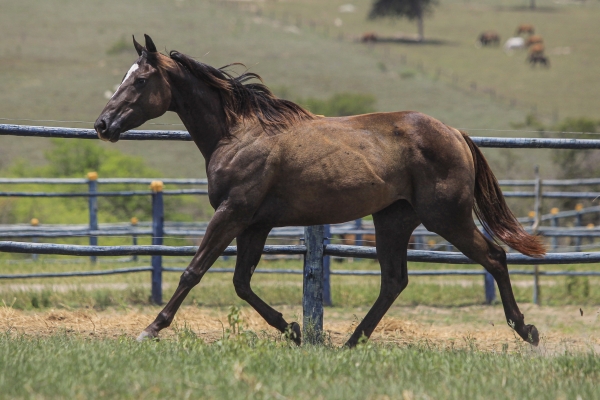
x=68, y=366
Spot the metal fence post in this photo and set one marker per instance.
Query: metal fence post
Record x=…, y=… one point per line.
x=489, y=284
x=358, y=238
x=327, y=268
x=92, y=178
x=34, y=222
x=578, y=223
x=157, y=238
x=312, y=297
x=536, y=285
x=534, y=229
x=134, y=241
x=490, y=287
x=554, y=211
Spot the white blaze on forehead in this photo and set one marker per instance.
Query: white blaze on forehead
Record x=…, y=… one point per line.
x=133, y=68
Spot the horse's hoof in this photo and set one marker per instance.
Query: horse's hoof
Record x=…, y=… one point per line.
x=147, y=336
x=533, y=337
x=294, y=333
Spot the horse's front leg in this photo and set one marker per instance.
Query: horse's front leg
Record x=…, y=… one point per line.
x=225, y=225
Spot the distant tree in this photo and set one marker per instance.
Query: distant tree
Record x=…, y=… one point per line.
x=411, y=9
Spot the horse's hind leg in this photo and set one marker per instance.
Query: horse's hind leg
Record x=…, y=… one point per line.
x=458, y=228
x=250, y=245
x=393, y=226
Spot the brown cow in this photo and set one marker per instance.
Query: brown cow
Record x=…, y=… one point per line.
x=369, y=37
x=489, y=37
x=537, y=48
x=540, y=58
x=525, y=28
x=533, y=40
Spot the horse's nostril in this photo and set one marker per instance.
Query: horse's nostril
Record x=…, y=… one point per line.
x=100, y=126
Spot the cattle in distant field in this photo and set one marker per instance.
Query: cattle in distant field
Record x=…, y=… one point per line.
x=525, y=28
x=531, y=40
x=537, y=48
x=514, y=43
x=538, y=58
x=367, y=239
x=368, y=37
x=489, y=37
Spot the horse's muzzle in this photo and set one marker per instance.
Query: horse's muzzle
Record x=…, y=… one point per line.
x=105, y=132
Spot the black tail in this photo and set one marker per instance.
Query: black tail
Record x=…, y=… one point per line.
x=493, y=212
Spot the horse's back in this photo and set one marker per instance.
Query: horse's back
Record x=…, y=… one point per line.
x=361, y=164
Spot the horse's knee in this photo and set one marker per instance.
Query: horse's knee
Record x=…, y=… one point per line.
x=189, y=278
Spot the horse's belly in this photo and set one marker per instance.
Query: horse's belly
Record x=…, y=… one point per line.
x=321, y=204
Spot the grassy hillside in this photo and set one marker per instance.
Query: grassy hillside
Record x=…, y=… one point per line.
x=570, y=31
x=57, y=59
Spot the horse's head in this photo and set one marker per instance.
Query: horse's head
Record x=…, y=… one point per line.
x=144, y=94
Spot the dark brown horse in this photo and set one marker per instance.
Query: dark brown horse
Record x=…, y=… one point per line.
x=489, y=37
x=270, y=163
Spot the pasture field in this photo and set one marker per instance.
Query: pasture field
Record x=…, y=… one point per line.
x=75, y=338
x=72, y=366
x=84, y=354
x=58, y=58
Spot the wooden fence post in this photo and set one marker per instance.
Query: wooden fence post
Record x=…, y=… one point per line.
x=327, y=268
x=312, y=297
x=92, y=178
x=157, y=238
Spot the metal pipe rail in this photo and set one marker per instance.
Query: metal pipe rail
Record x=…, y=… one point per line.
x=444, y=272
x=555, y=195
x=103, y=194
x=329, y=249
x=81, y=181
x=77, y=133
x=551, y=182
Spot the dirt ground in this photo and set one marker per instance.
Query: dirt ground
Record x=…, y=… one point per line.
x=561, y=328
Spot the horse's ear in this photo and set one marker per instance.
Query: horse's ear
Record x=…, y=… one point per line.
x=150, y=44
x=138, y=47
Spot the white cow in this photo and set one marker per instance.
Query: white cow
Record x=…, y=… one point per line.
x=514, y=43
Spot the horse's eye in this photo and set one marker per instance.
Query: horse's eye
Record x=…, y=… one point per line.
x=140, y=81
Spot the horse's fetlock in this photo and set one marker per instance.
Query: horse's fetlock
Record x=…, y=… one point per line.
x=162, y=320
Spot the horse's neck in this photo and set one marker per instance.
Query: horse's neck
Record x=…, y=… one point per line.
x=201, y=111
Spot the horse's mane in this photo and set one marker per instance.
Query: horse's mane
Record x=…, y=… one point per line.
x=243, y=100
